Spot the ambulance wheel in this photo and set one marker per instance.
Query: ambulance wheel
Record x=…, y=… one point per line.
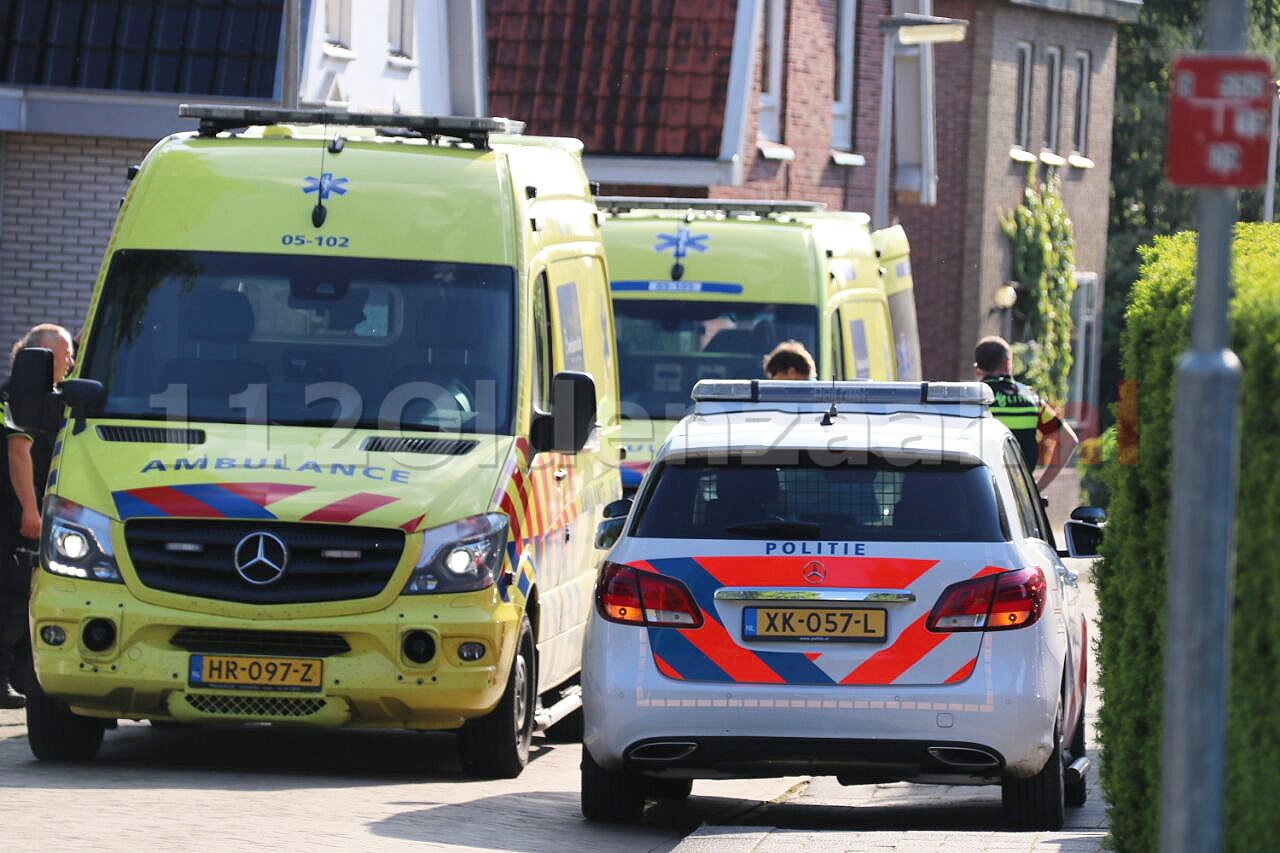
x=56, y=734
x=610, y=796
x=496, y=746
x=1038, y=802
x=669, y=789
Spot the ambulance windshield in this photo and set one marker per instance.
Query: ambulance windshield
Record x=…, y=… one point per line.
x=667, y=346
x=306, y=340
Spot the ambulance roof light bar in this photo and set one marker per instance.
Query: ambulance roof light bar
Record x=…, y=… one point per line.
x=729, y=207
x=216, y=118
x=848, y=392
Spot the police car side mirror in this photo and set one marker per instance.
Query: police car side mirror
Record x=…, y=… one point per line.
x=1091, y=514
x=609, y=532
x=573, y=415
x=31, y=395
x=1084, y=539
x=617, y=509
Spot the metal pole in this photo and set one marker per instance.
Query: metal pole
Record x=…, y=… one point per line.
x=1269, y=206
x=292, y=48
x=880, y=205
x=1202, y=523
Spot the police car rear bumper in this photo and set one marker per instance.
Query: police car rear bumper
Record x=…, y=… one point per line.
x=853, y=761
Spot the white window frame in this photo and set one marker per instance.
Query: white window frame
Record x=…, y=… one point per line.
x=1023, y=55
x=400, y=28
x=842, y=106
x=769, y=126
x=1053, y=101
x=337, y=23
x=1084, y=81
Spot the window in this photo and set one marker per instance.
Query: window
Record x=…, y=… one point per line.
x=770, y=120
x=540, y=385
x=400, y=27
x=842, y=97
x=1053, y=103
x=1024, y=494
x=816, y=496
x=1084, y=68
x=1022, y=114
x=337, y=22
x=313, y=339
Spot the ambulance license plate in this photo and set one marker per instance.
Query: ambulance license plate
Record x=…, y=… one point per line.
x=259, y=673
x=814, y=624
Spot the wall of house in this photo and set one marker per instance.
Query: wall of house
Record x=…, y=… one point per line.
x=58, y=202
x=808, y=83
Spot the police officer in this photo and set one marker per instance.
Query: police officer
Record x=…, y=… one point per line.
x=1020, y=409
x=789, y=360
x=24, y=467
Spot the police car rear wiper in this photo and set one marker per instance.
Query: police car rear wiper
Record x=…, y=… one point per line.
x=777, y=526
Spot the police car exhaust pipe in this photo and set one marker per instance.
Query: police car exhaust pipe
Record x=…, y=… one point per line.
x=963, y=758
x=1078, y=769
x=570, y=701
x=662, y=752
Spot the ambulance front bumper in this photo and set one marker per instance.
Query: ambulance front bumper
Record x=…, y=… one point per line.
x=365, y=678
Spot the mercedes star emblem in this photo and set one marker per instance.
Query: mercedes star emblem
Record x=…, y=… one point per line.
x=814, y=572
x=261, y=558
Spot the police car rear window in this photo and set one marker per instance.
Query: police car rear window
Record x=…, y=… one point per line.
x=864, y=498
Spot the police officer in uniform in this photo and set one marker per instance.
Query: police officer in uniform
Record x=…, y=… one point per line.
x=24, y=468
x=1040, y=431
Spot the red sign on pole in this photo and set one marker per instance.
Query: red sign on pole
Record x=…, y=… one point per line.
x=1219, y=121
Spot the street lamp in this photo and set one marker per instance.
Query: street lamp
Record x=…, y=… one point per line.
x=1005, y=297
x=909, y=29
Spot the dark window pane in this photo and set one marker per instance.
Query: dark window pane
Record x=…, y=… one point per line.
x=793, y=496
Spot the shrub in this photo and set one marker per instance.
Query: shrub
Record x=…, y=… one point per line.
x=1132, y=577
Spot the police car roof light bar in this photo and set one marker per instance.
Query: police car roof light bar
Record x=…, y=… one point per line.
x=729, y=207
x=850, y=392
x=216, y=118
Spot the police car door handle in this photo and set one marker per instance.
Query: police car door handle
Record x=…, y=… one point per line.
x=561, y=473
x=1069, y=577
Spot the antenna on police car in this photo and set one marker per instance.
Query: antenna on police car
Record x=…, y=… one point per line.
x=319, y=213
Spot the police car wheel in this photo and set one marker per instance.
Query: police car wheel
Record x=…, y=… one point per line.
x=610, y=796
x=669, y=789
x=1038, y=802
x=496, y=746
x=56, y=734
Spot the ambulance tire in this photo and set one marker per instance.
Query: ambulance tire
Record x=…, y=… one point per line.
x=54, y=733
x=496, y=746
x=1038, y=802
x=669, y=789
x=610, y=796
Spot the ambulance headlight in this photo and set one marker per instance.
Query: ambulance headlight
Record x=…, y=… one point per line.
x=76, y=542
x=463, y=556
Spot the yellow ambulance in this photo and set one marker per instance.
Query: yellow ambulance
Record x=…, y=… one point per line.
x=704, y=288
x=334, y=452
x=894, y=251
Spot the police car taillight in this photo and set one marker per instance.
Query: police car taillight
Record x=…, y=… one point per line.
x=991, y=603
x=635, y=597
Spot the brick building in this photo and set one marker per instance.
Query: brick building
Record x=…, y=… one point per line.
x=781, y=98
x=86, y=88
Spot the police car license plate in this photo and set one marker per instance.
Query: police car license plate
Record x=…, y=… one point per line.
x=260, y=673
x=815, y=624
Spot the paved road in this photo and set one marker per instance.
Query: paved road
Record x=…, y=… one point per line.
x=242, y=789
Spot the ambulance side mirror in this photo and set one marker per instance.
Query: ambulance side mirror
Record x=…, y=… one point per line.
x=32, y=399
x=573, y=415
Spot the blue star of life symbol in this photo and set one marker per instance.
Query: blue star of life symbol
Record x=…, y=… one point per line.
x=681, y=242
x=325, y=185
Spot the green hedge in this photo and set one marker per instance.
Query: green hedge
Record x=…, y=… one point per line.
x=1132, y=577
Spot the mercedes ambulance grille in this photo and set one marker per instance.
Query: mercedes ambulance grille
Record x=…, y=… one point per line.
x=289, y=643
x=309, y=577
x=253, y=706
x=151, y=435
x=437, y=446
